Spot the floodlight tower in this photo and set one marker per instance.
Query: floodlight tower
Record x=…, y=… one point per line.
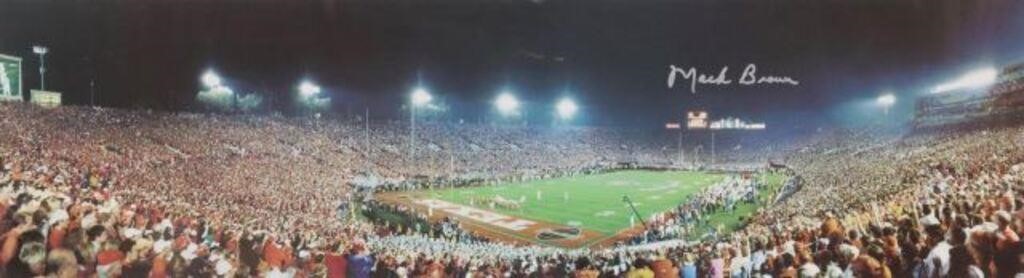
x=420, y=97
x=212, y=82
x=308, y=92
x=41, y=50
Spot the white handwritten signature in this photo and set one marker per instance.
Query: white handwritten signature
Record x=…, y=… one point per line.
x=747, y=78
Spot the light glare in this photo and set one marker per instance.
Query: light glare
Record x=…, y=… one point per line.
x=973, y=79
x=886, y=100
x=506, y=103
x=211, y=80
x=308, y=89
x=566, y=108
x=421, y=97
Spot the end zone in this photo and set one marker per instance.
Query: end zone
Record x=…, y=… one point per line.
x=497, y=225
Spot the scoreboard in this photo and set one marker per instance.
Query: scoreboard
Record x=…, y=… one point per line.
x=697, y=120
x=10, y=78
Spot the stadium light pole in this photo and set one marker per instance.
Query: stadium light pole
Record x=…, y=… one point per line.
x=713, y=147
x=886, y=101
x=419, y=97
x=682, y=152
x=41, y=50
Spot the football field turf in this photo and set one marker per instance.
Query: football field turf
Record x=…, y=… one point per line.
x=580, y=211
x=592, y=202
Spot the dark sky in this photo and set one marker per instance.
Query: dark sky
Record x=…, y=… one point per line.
x=612, y=56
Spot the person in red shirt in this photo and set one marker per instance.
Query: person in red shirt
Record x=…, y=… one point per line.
x=109, y=260
x=57, y=236
x=336, y=263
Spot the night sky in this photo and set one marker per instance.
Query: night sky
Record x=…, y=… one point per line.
x=611, y=56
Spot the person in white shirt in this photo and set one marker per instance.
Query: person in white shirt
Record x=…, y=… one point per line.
x=936, y=264
x=738, y=267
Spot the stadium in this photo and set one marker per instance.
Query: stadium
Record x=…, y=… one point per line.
x=330, y=139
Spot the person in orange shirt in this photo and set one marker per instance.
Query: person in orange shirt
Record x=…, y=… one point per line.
x=273, y=255
x=435, y=269
x=663, y=268
x=9, y=249
x=584, y=269
x=159, y=269
x=1006, y=237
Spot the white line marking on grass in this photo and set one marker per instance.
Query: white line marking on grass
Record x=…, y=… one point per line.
x=605, y=213
x=619, y=183
x=656, y=188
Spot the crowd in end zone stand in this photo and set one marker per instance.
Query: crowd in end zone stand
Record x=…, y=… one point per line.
x=112, y=193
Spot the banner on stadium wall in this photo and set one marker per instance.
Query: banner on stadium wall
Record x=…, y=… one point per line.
x=46, y=98
x=10, y=78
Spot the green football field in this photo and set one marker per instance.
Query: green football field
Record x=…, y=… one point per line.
x=594, y=202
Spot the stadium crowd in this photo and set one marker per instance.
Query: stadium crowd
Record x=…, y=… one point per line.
x=90, y=192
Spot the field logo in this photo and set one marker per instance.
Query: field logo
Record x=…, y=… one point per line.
x=491, y=218
x=559, y=233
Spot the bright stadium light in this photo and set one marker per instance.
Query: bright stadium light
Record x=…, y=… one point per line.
x=308, y=89
x=886, y=101
x=211, y=79
x=41, y=50
x=973, y=79
x=421, y=97
x=566, y=108
x=506, y=103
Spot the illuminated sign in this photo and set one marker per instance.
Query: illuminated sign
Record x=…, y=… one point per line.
x=697, y=120
x=10, y=78
x=45, y=98
x=734, y=123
